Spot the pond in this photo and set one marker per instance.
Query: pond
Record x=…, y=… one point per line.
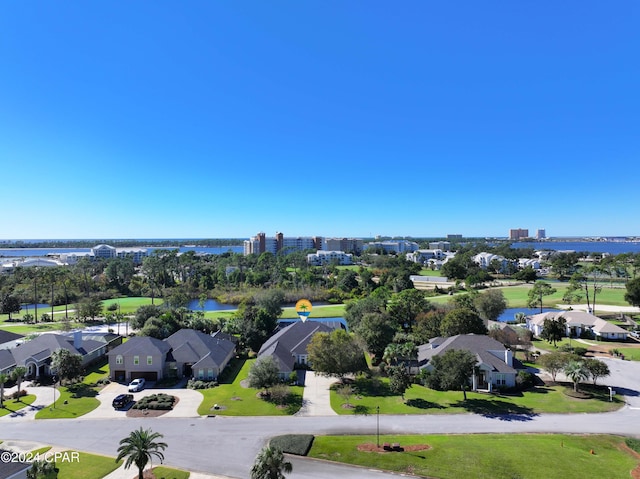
x=210, y=305
x=510, y=313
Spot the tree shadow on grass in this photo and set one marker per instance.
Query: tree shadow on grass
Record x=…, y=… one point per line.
x=231, y=372
x=497, y=409
x=82, y=390
x=423, y=404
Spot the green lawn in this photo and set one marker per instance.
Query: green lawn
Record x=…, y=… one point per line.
x=373, y=393
x=236, y=400
x=11, y=405
x=80, y=398
x=487, y=456
x=82, y=465
x=169, y=473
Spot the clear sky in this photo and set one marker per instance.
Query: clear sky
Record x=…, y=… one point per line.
x=218, y=119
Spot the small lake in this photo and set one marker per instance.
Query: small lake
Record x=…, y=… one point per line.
x=210, y=305
x=509, y=313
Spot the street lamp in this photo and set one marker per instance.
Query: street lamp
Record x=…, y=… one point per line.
x=54, y=392
x=377, y=426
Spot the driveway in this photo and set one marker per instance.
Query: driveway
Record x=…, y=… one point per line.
x=188, y=401
x=44, y=398
x=315, y=397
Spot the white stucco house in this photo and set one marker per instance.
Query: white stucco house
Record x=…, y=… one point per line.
x=577, y=322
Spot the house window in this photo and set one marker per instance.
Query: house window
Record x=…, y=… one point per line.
x=500, y=380
x=149, y=360
x=119, y=359
x=210, y=373
x=136, y=360
x=200, y=373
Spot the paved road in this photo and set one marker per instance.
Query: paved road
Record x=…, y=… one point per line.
x=227, y=446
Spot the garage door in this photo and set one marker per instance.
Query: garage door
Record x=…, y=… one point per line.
x=120, y=376
x=147, y=375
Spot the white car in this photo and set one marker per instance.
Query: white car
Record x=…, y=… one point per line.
x=136, y=385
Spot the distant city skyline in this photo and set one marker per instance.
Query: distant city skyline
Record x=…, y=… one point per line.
x=223, y=119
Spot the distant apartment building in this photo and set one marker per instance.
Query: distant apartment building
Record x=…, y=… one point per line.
x=454, y=237
x=349, y=245
x=424, y=256
x=443, y=245
x=104, y=251
x=541, y=234
x=280, y=244
x=395, y=246
x=518, y=234
x=323, y=257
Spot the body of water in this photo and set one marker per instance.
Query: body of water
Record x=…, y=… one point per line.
x=611, y=247
x=41, y=252
x=210, y=305
x=510, y=313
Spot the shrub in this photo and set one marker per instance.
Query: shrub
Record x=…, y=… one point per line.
x=196, y=384
x=633, y=443
x=525, y=379
x=298, y=444
x=18, y=394
x=580, y=351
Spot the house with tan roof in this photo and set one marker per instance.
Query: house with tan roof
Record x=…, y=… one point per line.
x=578, y=322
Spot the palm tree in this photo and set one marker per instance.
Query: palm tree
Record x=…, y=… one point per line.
x=139, y=448
x=270, y=464
x=3, y=379
x=18, y=375
x=576, y=371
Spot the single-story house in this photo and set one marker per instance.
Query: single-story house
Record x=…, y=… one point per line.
x=496, y=366
x=289, y=345
x=186, y=353
x=35, y=354
x=577, y=322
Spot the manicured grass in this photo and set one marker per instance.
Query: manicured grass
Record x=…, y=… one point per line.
x=324, y=311
x=487, y=456
x=100, y=371
x=236, y=400
x=632, y=354
x=11, y=405
x=82, y=465
x=26, y=329
x=169, y=473
x=372, y=393
x=130, y=305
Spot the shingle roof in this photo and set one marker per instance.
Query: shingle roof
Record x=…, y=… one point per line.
x=579, y=318
x=6, y=359
x=12, y=468
x=41, y=347
x=141, y=345
x=8, y=336
x=190, y=346
x=292, y=340
x=478, y=344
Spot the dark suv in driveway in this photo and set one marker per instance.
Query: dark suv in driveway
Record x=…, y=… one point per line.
x=122, y=400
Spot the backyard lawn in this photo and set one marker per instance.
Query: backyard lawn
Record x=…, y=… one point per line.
x=487, y=456
x=373, y=393
x=234, y=399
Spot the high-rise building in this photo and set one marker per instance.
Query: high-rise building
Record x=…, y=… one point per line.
x=348, y=245
x=279, y=243
x=518, y=234
x=541, y=234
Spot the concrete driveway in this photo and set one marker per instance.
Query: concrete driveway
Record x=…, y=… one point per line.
x=44, y=398
x=315, y=397
x=188, y=401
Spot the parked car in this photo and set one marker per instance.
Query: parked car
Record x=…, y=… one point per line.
x=122, y=400
x=136, y=385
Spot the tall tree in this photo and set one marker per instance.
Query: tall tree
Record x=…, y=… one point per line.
x=399, y=380
x=336, y=354
x=263, y=373
x=66, y=364
x=462, y=321
x=139, y=448
x=403, y=307
x=555, y=362
x=17, y=374
x=490, y=304
x=377, y=331
x=554, y=329
x=632, y=296
x=537, y=292
x=270, y=463
x=451, y=370
x=597, y=369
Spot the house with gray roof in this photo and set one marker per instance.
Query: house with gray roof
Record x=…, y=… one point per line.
x=288, y=346
x=13, y=469
x=35, y=354
x=496, y=366
x=9, y=339
x=186, y=353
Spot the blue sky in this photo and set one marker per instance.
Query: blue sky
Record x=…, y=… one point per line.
x=218, y=119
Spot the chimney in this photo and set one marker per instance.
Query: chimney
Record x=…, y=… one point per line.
x=508, y=357
x=77, y=339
